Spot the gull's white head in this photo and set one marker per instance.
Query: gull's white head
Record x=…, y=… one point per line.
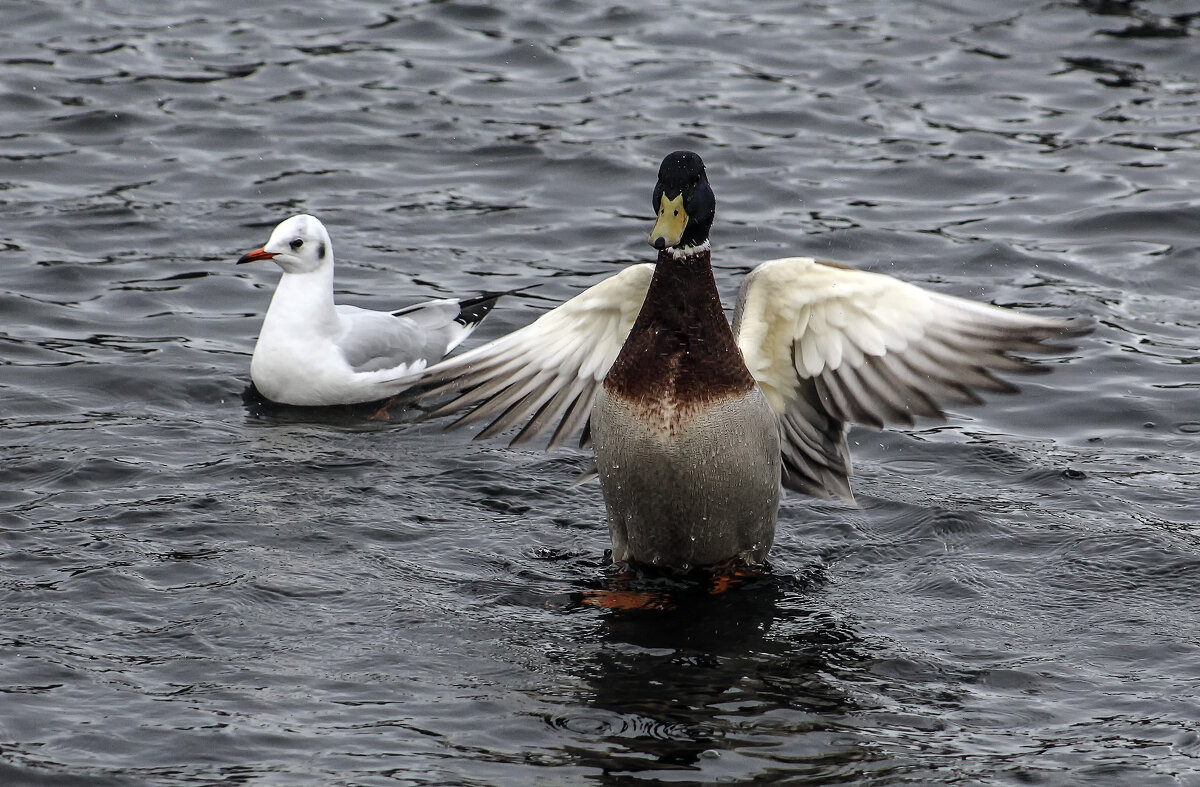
x=298, y=245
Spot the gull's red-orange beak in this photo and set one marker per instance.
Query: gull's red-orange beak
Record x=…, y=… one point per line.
x=256, y=255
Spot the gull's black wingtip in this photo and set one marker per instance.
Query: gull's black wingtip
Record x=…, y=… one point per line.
x=471, y=311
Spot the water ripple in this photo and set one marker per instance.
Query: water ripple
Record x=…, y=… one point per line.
x=253, y=593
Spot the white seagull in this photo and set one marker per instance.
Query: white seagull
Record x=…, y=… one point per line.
x=313, y=353
x=695, y=425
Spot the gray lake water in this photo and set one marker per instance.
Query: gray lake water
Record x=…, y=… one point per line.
x=196, y=588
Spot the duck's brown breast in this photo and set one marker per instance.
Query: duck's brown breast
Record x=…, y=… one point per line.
x=680, y=357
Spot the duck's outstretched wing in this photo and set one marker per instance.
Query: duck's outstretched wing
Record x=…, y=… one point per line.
x=547, y=374
x=831, y=345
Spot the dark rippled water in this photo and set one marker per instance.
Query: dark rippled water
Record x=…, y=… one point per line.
x=196, y=589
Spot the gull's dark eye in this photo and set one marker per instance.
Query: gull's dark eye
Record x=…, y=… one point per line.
x=297, y=243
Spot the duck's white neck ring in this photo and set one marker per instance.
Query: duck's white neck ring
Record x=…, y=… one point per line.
x=683, y=252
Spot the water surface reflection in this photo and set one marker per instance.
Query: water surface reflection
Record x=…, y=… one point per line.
x=714, y=682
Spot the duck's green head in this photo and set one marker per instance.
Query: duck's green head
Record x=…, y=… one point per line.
x=683, y=202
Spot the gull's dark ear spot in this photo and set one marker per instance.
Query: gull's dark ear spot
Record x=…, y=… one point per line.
x=321, y=250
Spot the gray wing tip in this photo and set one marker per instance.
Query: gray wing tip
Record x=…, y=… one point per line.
x=1077, y=326
x=1067, y=328
x=1055, y=338
x=827, y=485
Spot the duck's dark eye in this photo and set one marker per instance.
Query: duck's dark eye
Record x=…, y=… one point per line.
x=297, y=243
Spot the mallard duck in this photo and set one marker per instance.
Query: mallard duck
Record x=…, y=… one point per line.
x=311, y=352
x=695, y=425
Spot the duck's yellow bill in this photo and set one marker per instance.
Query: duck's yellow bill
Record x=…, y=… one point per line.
x=672, y=219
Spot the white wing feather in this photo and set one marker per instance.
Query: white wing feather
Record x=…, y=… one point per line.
x=831, y=345
x=547, y=374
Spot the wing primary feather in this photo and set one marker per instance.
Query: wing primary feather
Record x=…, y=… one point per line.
x=551, y=413
x=480, y=394
x=918, y=400
x=967, y=371
x=500, y=405
x=858, y=404
x=875, y=382
x=832, y=401
x=576, y=419
x=526, y=403
x=933, y=372
x=823, y=446
x=452, y=380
